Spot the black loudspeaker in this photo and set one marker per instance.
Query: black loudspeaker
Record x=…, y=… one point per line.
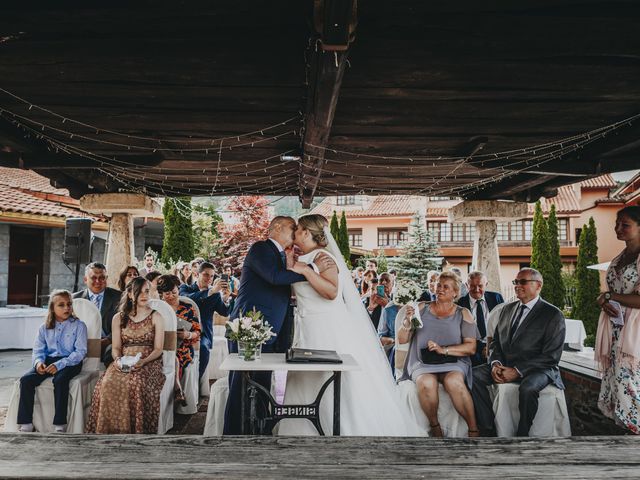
x=77, y=240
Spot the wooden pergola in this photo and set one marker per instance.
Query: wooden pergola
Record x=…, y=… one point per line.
x=483, y=100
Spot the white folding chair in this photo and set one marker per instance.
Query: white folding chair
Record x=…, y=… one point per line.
x=80, y=387
x=165, y=420
x=551, y=420
x=190, y=381
x=214, y=423
x=219, y=351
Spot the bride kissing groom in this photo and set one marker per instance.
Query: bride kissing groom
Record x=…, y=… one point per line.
x=329, y=316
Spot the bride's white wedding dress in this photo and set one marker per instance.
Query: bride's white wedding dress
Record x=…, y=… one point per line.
x=370, y=404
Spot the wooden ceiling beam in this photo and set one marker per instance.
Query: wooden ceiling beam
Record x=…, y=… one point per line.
x=327, y=62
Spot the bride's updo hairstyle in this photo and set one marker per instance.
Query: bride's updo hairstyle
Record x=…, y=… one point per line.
x=315, y=224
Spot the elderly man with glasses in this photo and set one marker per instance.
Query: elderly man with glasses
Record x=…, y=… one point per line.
x=525, y=349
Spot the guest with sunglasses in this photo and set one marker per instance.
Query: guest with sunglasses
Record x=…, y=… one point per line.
x=526, y=349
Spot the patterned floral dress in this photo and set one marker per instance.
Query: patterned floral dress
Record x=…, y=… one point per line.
x=620, y=389
x=129, y=402
x=185, y=349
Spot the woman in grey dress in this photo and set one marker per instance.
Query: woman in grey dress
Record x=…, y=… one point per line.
x=448, y=329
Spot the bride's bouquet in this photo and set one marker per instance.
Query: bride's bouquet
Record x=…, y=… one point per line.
x=250, y=331
x=407, y=293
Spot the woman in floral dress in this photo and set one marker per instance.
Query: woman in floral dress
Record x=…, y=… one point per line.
x=129, y=402
x=617, y=350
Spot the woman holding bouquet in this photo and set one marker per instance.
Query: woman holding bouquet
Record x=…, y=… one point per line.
x=439, y=353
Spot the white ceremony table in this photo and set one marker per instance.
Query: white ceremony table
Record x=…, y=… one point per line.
x=276, y=361
x=19, y=326
x=575, y=334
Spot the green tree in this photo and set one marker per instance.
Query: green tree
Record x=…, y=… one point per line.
x=539, y=240
x=419, y=254
x=207, y=241
x=553, y=290
x=334, y=227
x=588, y=281
x=178, y=230
x=383, y=263
x=343, y=239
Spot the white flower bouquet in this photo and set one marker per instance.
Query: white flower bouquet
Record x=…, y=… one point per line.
x=407, y=293
x=251, y=332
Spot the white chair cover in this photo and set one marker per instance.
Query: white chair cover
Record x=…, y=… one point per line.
x=190, y=382
x=165, y=420
x=214, y=424
x=80, y=387
x=552, y=419
x=451, y=423
x=219, y=352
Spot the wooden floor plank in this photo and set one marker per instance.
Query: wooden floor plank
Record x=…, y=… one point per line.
x=154, y=456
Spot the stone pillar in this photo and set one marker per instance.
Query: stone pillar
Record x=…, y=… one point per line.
x=122, y=208
x=486, y=214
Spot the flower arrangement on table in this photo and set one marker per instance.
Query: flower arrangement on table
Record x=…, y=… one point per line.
x=407, y=293
x=251, y=332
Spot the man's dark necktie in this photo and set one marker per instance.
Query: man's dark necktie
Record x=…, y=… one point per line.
x=516, y=322
x=283, y=256
x=482, y=328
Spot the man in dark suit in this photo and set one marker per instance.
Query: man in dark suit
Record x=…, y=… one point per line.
x=480, y=302
x=429, y=295
x=106, y=299
x=526, y=349
x=211, y=295
x=265, y=284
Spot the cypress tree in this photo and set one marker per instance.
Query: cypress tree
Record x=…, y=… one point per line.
x=588, y=281
x=553, y=290
x=539, y=240
x=343, y=239
x=334, y=228
x=178, y=230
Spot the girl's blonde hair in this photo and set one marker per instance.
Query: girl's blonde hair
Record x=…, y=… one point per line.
x=50, y=322
x=315, y=224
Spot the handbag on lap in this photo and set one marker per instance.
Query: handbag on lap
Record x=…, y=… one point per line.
x=433, y=358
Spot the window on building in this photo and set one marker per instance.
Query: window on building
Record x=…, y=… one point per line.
x=391, y=237
x=355, y=238
x=445, y=232
x=578, y=233
x=563, y=228
x=471, y=232
x=346, y=200
x=528, y=228
x=503, y=232
x=457, y=231
x=434, y=230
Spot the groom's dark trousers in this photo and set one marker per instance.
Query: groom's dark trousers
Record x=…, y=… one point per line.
x=265, y=285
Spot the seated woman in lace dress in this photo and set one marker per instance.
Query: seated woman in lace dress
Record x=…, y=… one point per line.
x=450, y=332
x=129, y=401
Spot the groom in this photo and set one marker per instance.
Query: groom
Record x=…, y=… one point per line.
x=266, y=285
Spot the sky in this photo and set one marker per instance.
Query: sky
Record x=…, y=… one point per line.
x=624, y=176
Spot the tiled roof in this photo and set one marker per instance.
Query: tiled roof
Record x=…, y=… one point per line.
x=380, y=206
x=16, y=200
x=437, y=212
x=28, y=180
x=603, y=181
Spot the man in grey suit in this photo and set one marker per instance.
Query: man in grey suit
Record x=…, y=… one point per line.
x=525, y=349
x=106, y=299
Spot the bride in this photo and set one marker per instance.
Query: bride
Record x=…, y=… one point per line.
x=330, y=316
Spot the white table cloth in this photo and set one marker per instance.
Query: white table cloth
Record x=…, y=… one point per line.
x=575, y=334
x=19, y=326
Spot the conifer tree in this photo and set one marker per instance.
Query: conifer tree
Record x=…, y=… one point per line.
x=419, y=255
x=588, y=281
x=553, y=290
x=334, y=227
x=539, y=240
x=178, y=230
x=343, y=239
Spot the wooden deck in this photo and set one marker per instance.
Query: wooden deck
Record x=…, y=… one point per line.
x=110, y=456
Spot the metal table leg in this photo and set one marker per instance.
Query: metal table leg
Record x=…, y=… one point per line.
x=336, y=403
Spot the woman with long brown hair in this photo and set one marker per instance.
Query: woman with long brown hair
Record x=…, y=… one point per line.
x=129, y=401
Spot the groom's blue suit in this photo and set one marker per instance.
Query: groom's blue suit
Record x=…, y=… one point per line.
x=265, y=284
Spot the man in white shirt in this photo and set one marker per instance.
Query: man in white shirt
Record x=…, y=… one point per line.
x=526, y=349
